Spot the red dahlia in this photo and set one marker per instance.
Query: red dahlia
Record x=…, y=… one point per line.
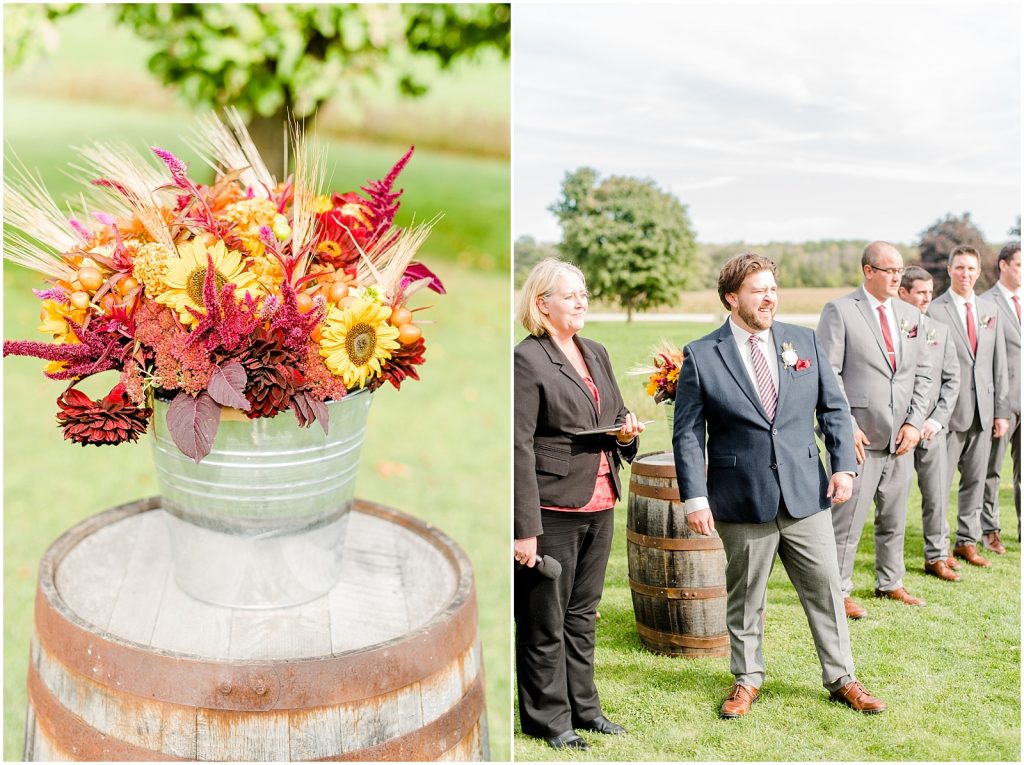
x=402, y=364
x=112, y=419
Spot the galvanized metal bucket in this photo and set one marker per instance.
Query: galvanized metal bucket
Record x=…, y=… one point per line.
x=260, y=522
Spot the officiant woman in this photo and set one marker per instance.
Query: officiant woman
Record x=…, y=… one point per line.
x=566, y=486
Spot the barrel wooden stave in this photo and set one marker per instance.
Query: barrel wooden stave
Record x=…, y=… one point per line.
x=84, y=705
x=679, y=597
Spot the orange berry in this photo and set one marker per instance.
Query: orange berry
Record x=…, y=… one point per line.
x=400, y=316
x=409, y=334
x=317, y=334
x=304, y=302
x=90, y=278
x=80, y=299
x=337, y=291
x=126, y=285
x=108, y=301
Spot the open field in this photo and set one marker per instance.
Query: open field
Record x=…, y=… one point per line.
x=791, y=300
x=950, y=671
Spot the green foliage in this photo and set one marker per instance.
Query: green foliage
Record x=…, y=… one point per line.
x=633, y=241
x=823, y=263
x=939, y=239
x=30, y=32
x=266, y=58
x=528, y=253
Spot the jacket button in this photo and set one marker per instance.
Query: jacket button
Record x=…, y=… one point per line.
x=775, y=466
x=775, y=432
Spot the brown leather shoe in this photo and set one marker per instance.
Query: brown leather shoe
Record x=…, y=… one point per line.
x=939, y=569
x=901, y=595
x=991, y=541
x=856, y=697
x=854, y=610
x=970, y=554
x=953, y=563
x=738, y=702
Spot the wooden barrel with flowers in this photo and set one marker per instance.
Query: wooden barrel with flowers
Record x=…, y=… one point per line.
x=125, y=666
x=676, y=578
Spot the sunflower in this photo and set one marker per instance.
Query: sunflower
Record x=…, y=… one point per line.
x=355, y=340
x=186, y=275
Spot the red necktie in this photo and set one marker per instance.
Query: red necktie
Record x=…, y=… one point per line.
x=765, y=386
x=1016, y=304
x=972, y=333
x=890, y=349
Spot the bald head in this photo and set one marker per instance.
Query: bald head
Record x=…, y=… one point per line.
x=876, y=251
x=882, y=265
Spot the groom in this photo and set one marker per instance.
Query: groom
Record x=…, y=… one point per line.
x=754, y=388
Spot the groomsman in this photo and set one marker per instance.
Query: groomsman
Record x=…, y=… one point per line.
x=1006, y=295
x=983, y=406
x=753, y=389
x=874, y=345
x=930, y=455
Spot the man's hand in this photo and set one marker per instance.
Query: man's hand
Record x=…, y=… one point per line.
x=840, y=488
x=700, y=521
x=999, y=427
x=526, y=551
x=859, y=442
x=929, y=429
x=907, y=439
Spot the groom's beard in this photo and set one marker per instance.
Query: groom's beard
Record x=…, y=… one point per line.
x=757, y=319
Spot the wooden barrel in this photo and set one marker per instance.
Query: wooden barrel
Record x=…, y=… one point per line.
x=125, y=666
x=677, y=578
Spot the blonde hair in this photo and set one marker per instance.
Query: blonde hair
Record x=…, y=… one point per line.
x=539, y=284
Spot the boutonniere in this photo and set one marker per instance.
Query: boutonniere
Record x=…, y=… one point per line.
x=908, y=331
x=932, y=338
x=988, y=321
x=790, y=359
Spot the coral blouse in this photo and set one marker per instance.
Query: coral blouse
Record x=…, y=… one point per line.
x=604, y=491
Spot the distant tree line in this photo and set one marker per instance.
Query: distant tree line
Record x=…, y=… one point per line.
x=637, y=247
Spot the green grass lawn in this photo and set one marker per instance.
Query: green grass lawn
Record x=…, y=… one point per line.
x=950, y=671
x=438, y=449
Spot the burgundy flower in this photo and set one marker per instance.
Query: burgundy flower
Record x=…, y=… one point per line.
x=802, y=364
x=402, y=364
x=113, y=419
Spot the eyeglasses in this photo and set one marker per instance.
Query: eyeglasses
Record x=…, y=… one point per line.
x=888, y=271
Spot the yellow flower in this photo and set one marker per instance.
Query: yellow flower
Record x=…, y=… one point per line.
x=149, y=266
x=355, y=341
x=53, y=317
x=186, y=275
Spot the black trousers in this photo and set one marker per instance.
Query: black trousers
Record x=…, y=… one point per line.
x=555, y=623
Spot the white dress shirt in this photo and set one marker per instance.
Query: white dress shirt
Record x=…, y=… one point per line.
x=1009, y=295
x=961, y=310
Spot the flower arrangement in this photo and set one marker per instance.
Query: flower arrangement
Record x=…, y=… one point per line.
x=245, y=293
x=663, y=375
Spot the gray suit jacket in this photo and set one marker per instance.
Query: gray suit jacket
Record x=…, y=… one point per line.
x=1011, y=331
x=754, y=463
x=983, y=380
x=881, y=401
x=552, y=466
x=944, y=387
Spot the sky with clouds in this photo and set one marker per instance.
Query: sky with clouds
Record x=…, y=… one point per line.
x=775, y=122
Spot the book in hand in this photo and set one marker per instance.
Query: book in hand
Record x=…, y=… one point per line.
x=607, y=429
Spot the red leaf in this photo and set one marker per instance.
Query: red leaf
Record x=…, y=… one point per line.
x=300, y=405
x=320, y=413
x=193, y=423
x=227, y=386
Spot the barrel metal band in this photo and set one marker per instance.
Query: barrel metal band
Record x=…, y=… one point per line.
x=669, y=543
x=74, y=736
x=683, y=641
x=653, y=492
x=677, y=593
x=653, y=469
x=254, y=685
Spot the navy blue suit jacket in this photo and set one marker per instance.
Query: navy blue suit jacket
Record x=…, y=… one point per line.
x=754, y=463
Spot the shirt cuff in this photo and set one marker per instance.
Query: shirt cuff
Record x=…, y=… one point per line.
x=936, y=425
x=695, y=504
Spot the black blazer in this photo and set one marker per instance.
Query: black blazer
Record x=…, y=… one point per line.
x=552, y=466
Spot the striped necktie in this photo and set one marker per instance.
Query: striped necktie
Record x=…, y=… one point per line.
x=765, y=386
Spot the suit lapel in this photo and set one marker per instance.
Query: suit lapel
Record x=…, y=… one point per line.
x=558, y=359
x=861, y=298
x=734, y=364
x=961, y=329
x=1007, y=309
x=779, y=336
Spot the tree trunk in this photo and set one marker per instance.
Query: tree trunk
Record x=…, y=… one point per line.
x=629, y=312
x=271, y=136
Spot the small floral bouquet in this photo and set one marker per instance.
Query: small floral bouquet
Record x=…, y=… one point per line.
x=245, y=293
x=664, y=373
